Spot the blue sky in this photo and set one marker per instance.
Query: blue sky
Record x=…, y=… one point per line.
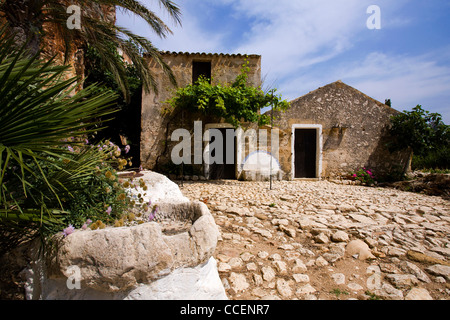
x=306, y=44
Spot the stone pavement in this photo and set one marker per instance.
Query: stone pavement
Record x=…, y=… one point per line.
x=323, y=240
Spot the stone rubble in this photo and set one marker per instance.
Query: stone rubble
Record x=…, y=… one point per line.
x=321, y=240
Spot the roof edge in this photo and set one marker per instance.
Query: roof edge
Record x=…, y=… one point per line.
x=185, y=53
x=341, y=82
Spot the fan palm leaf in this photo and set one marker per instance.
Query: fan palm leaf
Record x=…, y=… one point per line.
x=39, y=113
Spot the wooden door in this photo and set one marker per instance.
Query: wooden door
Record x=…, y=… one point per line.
x=305, y=153
x=227, y=170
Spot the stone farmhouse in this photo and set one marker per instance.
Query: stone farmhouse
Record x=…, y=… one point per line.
x=325, y=134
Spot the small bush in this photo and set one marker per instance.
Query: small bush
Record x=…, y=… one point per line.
x=364, y=175
x=436, y=159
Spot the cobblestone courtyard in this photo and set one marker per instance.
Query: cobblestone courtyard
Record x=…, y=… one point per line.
x=323, y=240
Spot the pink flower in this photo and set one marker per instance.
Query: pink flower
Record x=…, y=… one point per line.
x=68, y=231
x=127, y=148
x=86, y=224
x=153, y=214
x=70, y=148
x=108, y=211
x=354, y=175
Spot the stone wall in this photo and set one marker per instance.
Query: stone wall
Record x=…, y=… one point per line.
x=354, y=131
x=157, y=127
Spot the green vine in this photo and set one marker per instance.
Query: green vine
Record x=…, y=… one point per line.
x=236, y=102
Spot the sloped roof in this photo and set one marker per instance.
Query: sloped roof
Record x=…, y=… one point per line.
x=339, y=82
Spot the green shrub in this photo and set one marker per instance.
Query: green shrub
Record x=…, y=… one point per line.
x=436, y=159
x=364, y=175
x=235, y=102
x=46, y=167
x=425, y=134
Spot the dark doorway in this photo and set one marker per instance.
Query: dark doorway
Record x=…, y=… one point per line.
x=201, y=68
x=305, y=151
x=226, y=170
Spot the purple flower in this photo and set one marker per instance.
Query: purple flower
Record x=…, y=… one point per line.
x=127, y=148
x=70, y=148
x=153, y=214
x=86, y=224
x=108, y=211
x=68, y=231
x=87, y=141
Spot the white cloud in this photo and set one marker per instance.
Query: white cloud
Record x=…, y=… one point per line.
x=294, y=34
x=189, y=37
x=406, y=80
x=294, y=37
x=297, y=38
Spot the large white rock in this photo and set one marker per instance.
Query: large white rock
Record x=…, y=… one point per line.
x=418, y=294
x=199, y=283
x=115, y=259
x=160, y=189
x=136, y=262
x=360, y=248
x=440, y=270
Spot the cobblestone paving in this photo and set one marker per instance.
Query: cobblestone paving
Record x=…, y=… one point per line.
x=323, y=240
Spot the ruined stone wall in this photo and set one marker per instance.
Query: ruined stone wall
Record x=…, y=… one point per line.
x=157, y=126
x=354, y=130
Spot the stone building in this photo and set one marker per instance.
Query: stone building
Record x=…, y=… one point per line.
x=334, y=130
x=157, y=125
x=326, y=133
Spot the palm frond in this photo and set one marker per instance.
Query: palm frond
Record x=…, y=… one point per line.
x=39, y=111
x=99, y=32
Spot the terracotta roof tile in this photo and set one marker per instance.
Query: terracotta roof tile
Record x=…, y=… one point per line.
x=209, y=54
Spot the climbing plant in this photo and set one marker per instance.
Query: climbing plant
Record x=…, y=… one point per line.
x=236, y=102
